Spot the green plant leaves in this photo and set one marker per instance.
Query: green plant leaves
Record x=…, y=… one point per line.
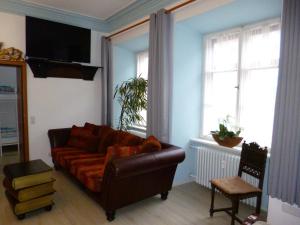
x=132, y=96
x=224, y=132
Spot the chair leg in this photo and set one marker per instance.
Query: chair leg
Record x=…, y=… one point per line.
x=234, y=210
x=258, y=204
x=211, y=211
x=237, y=207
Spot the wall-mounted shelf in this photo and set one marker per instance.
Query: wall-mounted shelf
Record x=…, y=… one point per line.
x=43, y=68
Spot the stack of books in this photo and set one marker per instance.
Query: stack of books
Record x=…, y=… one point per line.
x=28, y=186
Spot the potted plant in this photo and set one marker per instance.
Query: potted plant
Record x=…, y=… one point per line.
x=226, y=135
x=132, y=96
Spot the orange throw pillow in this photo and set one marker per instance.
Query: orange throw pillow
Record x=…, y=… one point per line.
x=116, y=151
x=151, y=144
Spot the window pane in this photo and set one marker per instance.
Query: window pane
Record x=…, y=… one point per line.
x=221, y=65
x=142, y=71
x=258, y=94
x=261, y=46
x=225, y=53
x=142, y=65
x=260, y=56
x=220, y=99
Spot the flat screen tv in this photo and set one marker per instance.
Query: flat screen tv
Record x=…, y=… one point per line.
x=57, y=41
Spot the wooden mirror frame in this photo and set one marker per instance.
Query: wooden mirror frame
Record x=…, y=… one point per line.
x=21, y=65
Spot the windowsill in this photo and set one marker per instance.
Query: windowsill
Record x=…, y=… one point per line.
x=197, y=142
x=138, y=130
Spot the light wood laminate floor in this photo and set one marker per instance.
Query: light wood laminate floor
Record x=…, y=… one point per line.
x=187, y=204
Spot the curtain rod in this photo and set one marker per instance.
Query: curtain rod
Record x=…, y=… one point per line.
x=148, y=19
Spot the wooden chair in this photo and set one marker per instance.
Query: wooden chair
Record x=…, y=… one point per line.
x=253, y=162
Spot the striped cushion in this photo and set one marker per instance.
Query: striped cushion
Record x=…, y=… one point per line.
x=57, y=153
x=66, y=160
x=76, y=164
x=93, y=179
x=91, y=176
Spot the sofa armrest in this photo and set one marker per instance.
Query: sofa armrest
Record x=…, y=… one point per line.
x=134, y=178
x=59, y=137
x=147, y=162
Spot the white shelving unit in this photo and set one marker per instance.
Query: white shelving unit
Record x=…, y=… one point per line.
x=9, y=126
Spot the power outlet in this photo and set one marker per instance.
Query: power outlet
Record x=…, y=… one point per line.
x=223, y=164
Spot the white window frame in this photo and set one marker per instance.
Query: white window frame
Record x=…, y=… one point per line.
x=240, y=29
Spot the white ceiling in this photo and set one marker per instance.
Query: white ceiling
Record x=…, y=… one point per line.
x=101, y=9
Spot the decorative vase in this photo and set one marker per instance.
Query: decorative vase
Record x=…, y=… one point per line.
x=229, y=142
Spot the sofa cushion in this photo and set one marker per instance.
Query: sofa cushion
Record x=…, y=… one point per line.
x=67, y=160
x=60, y=153
x=92, y=179
x=83, y=138
x=75, y=139
x=76, y=164
x=91, y=176
x=124, y=138
x=91, y=142
x=94, y=128
x=117, y=151
x=151, y=144
x=106, y=135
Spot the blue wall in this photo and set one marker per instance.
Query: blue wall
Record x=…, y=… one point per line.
x=187, y=85
x=186, y=95
x=124, y=68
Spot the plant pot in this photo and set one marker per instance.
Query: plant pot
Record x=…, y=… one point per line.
x=229, y=142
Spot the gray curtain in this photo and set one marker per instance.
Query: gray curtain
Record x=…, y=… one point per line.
x=106, y=82
x=284, y=182
x=160, y=76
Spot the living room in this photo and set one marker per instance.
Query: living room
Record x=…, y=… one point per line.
x=55, y=103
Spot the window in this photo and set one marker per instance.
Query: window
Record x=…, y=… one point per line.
x=241, y=71
x=142, y=71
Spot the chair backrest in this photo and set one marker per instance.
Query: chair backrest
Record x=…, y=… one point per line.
x=253, y=161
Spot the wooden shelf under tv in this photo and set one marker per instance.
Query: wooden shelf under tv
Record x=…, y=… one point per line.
x=43, y=68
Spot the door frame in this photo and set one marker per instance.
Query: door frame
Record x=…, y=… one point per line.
x=21, y=65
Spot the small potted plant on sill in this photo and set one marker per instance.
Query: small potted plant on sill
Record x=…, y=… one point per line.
x=227, y=136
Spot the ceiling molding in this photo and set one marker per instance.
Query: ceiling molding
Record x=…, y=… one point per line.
x=135, y=11
x=131, y=13
x=49, y=13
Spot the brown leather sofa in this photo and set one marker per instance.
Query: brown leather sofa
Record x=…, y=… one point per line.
x=130, y=179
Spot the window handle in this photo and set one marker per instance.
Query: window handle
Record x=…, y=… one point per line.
x=237, y=87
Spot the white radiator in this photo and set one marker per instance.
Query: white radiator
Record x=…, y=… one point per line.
x=214, y=162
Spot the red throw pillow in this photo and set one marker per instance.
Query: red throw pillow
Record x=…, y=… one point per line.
x=151, y=144
x=117, y=151
x=105, y=135
x=83, y=138
x=91, y=142
x=94, y=128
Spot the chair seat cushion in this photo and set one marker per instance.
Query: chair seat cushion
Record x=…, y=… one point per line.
x=234, y=186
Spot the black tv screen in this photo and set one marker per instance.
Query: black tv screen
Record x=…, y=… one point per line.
x=57, y=41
